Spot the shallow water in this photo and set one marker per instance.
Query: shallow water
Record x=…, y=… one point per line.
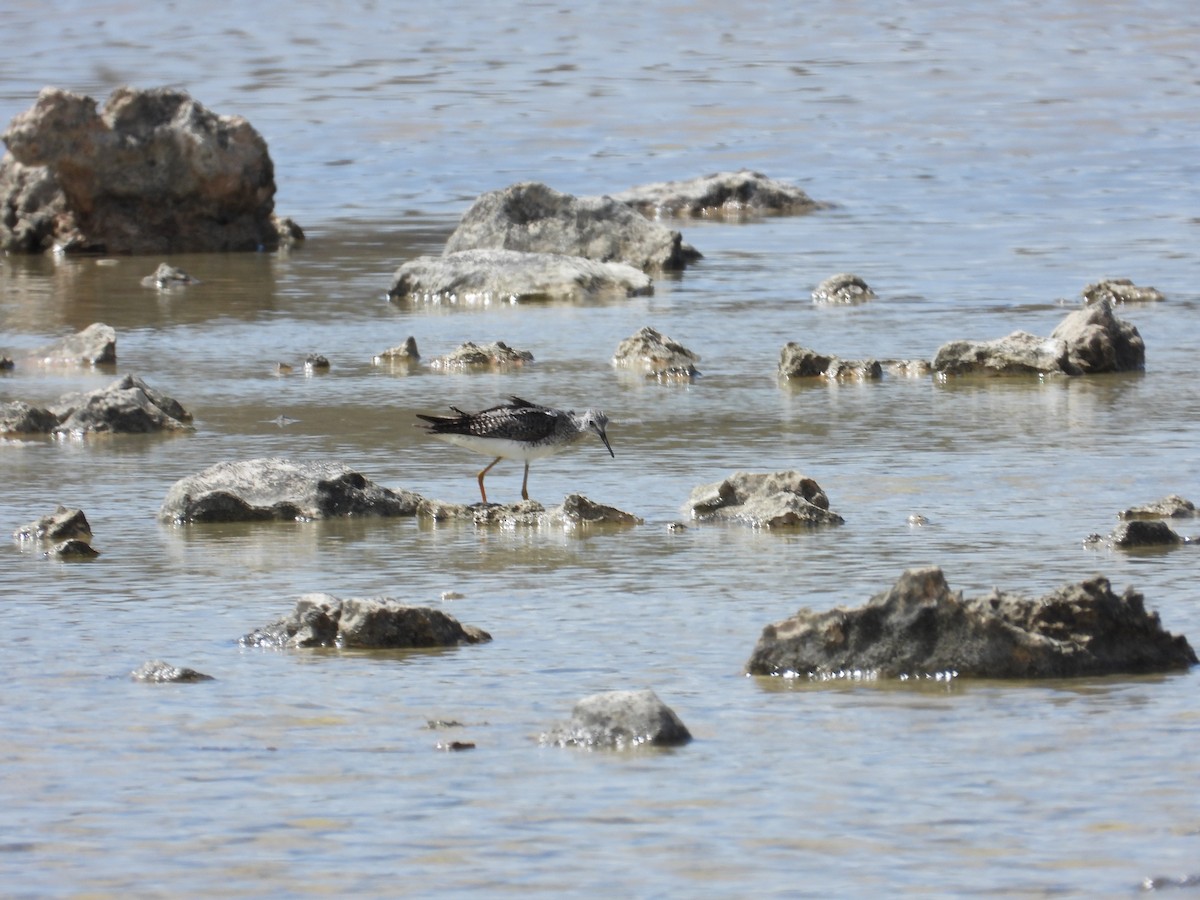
x=987, y=163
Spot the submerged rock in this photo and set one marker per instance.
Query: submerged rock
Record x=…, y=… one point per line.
x=801, y=362
x=73, y=549
x=158, y=672
x=652, y=352
x=316, y=362
x=255, y=490
x=619, y=720
x=403, y=354
x=497, y=355
x=1170, y=507
x=322, y=620
x=525, y=514
x=919, y=627
x=576, y=511
x=728, y=195
x=166, y=277
x=152, y=172
x=1120, y=290
x=65, y=523
x=485, y=277
x=842, y=288
x=675, y=375
x=908, y=368
x=763, y=500
x=96, y=345
x=533, y=218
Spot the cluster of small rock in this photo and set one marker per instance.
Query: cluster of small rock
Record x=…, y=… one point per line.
x=1089, y=341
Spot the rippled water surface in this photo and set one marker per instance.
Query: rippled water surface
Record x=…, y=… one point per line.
x=987, y=161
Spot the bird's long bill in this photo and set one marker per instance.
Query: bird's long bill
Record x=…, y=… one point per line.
x=607, y=445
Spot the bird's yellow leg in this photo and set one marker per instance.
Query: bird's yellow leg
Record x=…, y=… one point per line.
x=482, y=492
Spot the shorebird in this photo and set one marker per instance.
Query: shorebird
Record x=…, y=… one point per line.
x=517, y=430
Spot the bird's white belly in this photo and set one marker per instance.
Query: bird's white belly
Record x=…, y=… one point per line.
x=506, y=449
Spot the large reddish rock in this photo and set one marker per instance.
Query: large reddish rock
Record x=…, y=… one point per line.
x=153, y=171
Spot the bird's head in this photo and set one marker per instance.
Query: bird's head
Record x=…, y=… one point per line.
x=594, y=420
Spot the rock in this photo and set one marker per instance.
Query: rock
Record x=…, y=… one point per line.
x=525, y=514
x=652, y=352
x=61, y=525
x=578, y=511
x=6, y=364
x=322, y=620
x=19, y=417
x=1088, y=341
x=166, y=277
x=910, y=368
x=128, y=406
x=842, y=288
x=854, y=370
x=1170, y=507
x=73, y=549
x=288, y=233
x=1165, y=882
x=152, y=172
x=533, y=218
x=760, y=500
x=96, y=345
x=675, y=374
x=1097, y=341
x=801, y=362
x=159, y=672
x=34, y=208
x=497, y=355
x=485, y=277
x=455, y=745
x=1120, y=290
x=405, y=353
x=575, y=512
x=919, y=628
x=619, y=720
x=282, y=489
x=1144, y=533
x=723, y=194
x=1021, y=353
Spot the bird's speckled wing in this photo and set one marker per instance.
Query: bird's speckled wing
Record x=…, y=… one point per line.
x=519, y=420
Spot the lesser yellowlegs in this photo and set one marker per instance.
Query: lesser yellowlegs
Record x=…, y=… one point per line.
x=517, y=430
